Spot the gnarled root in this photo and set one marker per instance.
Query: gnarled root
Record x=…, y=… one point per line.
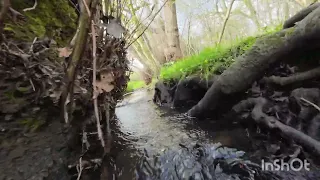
x=299, y=77
x=271, y=122
x=300, y=15
x=252, y=66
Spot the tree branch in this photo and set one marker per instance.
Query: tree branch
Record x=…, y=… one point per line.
x=147, y=25
x=225, y=21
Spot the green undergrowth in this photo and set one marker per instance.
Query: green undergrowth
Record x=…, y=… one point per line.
x=211, y=60
x=134, y=85
x=138, y=84
x=52, y=18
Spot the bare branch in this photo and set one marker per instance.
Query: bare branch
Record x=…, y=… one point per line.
x=87, y=8
x=147, y=25
x=312, y=104
x=94, y=81
x=225, y=21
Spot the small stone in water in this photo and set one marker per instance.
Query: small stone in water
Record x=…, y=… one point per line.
x=8, y=117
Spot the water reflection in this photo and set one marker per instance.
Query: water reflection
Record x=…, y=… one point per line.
x=145, y=127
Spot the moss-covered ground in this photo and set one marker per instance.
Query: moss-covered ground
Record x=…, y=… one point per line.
x=56, y=19
x=211, y=60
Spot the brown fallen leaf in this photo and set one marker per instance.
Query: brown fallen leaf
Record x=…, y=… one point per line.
x=64, y=52
x=104, y=85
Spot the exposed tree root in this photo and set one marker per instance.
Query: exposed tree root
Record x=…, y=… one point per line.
x=300, y=15
x=271, y=122
x=251, y=66
x=299, y=77
x=191, y=89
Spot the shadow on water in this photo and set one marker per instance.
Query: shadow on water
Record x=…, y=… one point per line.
x=143, y=127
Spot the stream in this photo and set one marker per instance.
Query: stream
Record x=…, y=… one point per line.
x=143, y=127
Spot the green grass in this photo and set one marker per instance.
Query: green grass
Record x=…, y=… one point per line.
x=138, y=84
x=134, y=85
x=212, y=59
x=207, y=62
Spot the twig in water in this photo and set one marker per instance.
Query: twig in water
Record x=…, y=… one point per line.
x=32, y=8
x=312, y=104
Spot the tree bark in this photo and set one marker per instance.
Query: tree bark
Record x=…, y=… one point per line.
x=252, y=65
x=171, y=26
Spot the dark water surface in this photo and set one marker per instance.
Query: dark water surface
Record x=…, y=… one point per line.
x=143, y=126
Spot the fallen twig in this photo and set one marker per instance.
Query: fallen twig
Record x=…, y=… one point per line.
x=79, y=169
x=94, y=81
x=31, y=47
x=32, y=8
x=312, y=104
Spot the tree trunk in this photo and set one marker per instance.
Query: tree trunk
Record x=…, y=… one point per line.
x=173, y=51
x=252, y=65
x=225, y=21
x=253, y=13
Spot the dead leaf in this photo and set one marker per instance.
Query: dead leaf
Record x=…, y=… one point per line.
x=64, y=52
x=107, y=77
x=104, y=85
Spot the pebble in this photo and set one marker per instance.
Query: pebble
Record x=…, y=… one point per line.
x=17, y=152
x=50, y=163
x=47, y=151
x=20, y=140
x=8, y=117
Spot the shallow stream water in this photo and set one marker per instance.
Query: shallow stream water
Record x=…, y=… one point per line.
x=146, y=128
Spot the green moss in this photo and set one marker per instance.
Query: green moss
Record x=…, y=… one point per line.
x=209, y=61
x=137, y=84
x=290, y=31
x=52, y=18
